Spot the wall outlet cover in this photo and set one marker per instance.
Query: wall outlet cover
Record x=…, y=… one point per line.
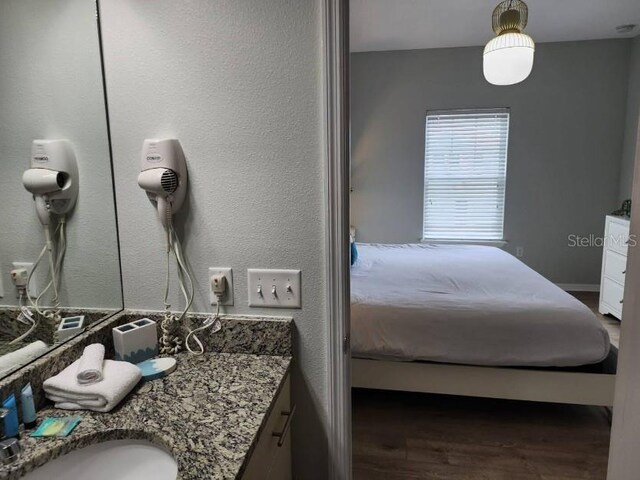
x=274, y=288
x=227, y=299
x=33, y=286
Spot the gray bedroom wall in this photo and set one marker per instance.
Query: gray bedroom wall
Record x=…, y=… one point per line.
x=52, y=88
x=567, y=125
x=240, y=85
x=631, y=130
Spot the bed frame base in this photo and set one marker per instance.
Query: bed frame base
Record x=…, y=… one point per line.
x=489, y=382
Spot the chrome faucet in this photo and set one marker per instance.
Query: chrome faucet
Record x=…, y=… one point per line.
x=9, y=447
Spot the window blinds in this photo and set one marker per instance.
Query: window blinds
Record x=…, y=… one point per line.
x=464, y=174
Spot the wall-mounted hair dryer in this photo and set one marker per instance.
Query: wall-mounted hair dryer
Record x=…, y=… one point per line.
x=52, y=178
x=164, y=176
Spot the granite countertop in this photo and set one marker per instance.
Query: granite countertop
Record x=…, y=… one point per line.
x=210, y=427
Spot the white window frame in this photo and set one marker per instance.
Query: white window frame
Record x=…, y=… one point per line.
x=499, y=175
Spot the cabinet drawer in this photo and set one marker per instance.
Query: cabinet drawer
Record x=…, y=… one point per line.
x=615, y=266
x=617, y=237
x=281, y=465
x=273, y=453
x=612, y=295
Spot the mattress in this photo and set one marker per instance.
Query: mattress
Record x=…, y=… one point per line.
x=465, y=304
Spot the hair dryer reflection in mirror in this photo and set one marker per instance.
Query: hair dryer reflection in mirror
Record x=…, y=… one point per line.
x=52, y=179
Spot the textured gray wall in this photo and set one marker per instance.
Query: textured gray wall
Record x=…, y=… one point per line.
x=631, y=130
x=240, y=84
x=567, y=124
x=51, y=87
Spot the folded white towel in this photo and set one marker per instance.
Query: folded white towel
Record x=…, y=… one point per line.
x=118, y=379
x=22, y=356
x=90, y=366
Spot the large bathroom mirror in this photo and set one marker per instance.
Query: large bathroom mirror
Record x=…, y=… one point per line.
x=57, y=212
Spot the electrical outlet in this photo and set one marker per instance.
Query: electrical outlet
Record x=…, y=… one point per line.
x=274, y=288
x=227, y=298
x=519, y=252
x=33, y=286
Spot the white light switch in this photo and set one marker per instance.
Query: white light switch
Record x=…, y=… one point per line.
x=274, y=288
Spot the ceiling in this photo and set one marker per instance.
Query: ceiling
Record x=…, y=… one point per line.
x=412, y=24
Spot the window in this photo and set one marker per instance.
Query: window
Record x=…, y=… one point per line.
x=465, y=169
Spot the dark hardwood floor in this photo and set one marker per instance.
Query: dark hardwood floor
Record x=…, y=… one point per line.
x=400, y=435
x=418, y=436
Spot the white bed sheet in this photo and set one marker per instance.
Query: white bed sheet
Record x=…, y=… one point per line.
x=464, y=304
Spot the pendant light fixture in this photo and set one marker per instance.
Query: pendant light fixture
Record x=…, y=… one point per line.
x=508, y=58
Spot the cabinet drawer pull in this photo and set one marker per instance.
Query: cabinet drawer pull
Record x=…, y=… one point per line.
x=283, y=434
x=622, y=300
x=624, y=272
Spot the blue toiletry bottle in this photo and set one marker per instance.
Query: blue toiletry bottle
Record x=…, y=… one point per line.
x=11, y=425
x=28, y=407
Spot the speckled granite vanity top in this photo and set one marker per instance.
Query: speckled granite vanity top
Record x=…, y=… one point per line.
x=208, y=414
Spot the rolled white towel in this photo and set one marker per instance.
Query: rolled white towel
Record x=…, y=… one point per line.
x=118, y=379
x=22, y=356
x=90, y=365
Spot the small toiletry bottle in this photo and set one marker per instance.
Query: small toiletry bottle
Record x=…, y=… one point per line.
x=28, y=407
x=11, y=425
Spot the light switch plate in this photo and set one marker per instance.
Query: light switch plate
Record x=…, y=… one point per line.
x=33, y=286
x=261, y=284
x=227, y=299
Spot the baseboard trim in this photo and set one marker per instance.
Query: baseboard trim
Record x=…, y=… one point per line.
x=578, y=287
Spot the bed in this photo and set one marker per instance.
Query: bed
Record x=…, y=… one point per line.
x=472, y=320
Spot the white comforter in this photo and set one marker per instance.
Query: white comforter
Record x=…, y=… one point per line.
x=466, y=304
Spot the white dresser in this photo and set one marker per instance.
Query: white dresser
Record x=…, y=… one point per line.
x=614, y=265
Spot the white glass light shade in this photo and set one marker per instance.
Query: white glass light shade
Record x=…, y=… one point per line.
x=508, y=58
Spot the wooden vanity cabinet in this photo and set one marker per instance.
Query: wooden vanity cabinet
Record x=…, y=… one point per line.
x=271, y=457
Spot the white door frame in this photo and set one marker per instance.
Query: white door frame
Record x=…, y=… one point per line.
x=624, y=458
x=336, y=128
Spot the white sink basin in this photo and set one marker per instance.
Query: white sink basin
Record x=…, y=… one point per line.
x=112, y=460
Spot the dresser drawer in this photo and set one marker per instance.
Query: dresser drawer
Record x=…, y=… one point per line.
x=617, y=237
x=612, y=295
x=615, y=266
